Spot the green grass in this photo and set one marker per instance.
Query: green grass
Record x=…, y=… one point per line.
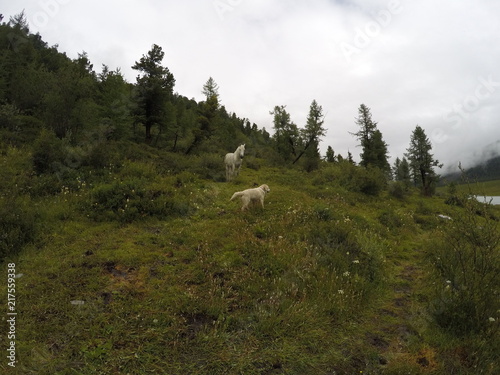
x=323, y=280
x=489, y=188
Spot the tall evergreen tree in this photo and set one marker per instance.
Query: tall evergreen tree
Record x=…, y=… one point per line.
x=330, y=155
x=401, y=170
x=422, y=162
x=154, y=88
x=210, y=88
x=115, y=102
x=379, y=152
x=374, y=148
x=208, y=114
x=312, y=133
x=286, y=133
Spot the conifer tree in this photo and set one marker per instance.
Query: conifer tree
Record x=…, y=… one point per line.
x=330, y=155
x=312, y=133
x=422, y=162
x=154, y=87
x=208, y=113
x=401, y=170
x=286, y=133
x=210, y=88
x=374, y=148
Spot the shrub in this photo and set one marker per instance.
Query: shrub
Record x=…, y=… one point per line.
x=8, y=116
x=369, y=181
x=252, y=162
x=17, y=225
x=453, y=198
x=209, y=166
x=398, y=189
x=467, y=271
x=324, y=213
x=132, y=200
x=48, y=153
x=390, y=219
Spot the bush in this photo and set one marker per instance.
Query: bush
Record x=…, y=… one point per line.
x=467, y=271
x=48, y=155
x=252, y=163
x=398, y=189
x=132, y=200
x=210, y=167
x=17, y=225
x=390, y=219
x=369, y=181
x=8, y=116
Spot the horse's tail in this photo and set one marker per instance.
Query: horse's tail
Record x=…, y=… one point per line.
x=236, y=195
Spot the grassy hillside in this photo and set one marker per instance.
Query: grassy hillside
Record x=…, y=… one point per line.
x=146, y=267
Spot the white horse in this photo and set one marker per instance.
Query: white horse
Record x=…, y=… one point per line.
x=233, y=162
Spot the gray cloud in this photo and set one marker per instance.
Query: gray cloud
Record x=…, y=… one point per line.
x=410, y=62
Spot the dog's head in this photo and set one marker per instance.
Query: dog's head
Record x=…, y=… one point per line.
x=265, y=188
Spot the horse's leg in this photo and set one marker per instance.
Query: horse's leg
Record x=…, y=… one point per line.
x=237, y=167
x=233, y=172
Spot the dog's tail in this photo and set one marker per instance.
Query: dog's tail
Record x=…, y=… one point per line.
x=236, y=195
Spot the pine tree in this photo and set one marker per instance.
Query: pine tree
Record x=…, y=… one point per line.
x=154, y=87
x=422, y=162
x=210, y=88
x=330, y=155
x=286, y=133
x=349, y=158
x=312, y=133
x=374, y=148
x=401, y=170
x=379, y=152
x=207, y=114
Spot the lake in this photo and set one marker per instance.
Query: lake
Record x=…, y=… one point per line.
x=494, y=199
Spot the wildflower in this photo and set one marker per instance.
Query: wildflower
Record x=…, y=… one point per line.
x=346, y=273
x=491, y=319
x=356, y=261
x=341, y=291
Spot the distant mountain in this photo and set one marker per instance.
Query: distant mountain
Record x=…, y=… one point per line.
x=485, y=171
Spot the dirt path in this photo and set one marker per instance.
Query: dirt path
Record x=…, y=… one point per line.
x=396, y=337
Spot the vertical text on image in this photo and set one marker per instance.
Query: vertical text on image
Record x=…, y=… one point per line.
x=11, y=314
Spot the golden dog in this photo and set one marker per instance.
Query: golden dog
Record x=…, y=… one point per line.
x=252, y=195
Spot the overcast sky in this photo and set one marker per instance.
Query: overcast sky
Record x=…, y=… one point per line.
x=433, y=63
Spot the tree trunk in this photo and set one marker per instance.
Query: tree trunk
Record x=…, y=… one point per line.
x=148, y=134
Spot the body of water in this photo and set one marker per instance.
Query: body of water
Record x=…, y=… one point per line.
x=493, y=199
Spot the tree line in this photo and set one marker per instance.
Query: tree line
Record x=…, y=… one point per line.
x=417, y=165
x=44, y=93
